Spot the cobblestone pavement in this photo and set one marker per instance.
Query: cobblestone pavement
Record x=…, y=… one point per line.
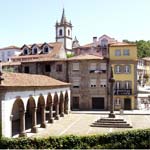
x=79, y=124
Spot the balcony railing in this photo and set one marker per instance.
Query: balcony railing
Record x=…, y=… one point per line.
x=123, y=92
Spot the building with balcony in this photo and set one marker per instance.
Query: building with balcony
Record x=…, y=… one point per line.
x=123, y=59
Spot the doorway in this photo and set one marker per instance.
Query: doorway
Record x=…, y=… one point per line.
x=127, y=104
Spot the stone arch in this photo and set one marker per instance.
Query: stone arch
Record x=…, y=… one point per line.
x=66, y=102
x=56, y=106
x=61, y=104
x=18, y=118
x=30, y=114
x=41, y=111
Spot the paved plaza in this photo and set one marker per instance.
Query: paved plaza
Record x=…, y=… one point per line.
x=78, y=123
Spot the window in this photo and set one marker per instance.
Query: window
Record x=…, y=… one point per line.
x=117, y=52
x=92, y=67
x=76, y=83
x=103, y=66
x=47, y=68
x=117, y=101
x=35, y=51
x=103, y=82
x=75, y=66
x=118, y=85
x=60, y=32
x=127, y=84
x=26, y=69
x=127, y=69
x=126, y=52
x=45, y=49
x=25, y=51
x=68, y=32
x=59, y=67
x=117, y=69
x=93, y=83
x=104, y=42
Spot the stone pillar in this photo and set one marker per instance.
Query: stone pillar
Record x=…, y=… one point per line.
x=34, y=120
x=66, y=106
x=62, y=108
x=50, y=119
x=57, y=111
x=43, y=124
x=22, y=124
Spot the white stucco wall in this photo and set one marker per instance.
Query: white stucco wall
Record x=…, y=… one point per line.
x=7, y=53
x=10, y=97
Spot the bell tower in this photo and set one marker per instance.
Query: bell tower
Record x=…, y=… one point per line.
x=64, y=32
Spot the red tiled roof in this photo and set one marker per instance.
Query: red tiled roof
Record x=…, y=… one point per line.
x=122, y=44
x=30, y=80
x=10, y=47
x=52, y=54
x=86, y=57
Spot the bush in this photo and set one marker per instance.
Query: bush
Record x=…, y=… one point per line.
x=127, y=140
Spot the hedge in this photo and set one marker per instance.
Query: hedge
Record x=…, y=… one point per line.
x=132, y=139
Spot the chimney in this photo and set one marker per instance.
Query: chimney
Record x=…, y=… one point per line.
x=94, y=41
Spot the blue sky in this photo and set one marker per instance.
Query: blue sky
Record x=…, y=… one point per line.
x=33, y=21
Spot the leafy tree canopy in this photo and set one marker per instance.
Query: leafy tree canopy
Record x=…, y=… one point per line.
x=143, y=47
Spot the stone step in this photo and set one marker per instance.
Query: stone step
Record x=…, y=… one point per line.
x=111, y=121
x=112, y=125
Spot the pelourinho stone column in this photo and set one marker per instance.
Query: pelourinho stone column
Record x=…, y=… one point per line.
x=43, y=124
x=57, y=111
x=22, y=124
x=50, y=119
x=62, y=108
x=34, y=121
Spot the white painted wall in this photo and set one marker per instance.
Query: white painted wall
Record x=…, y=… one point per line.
x=6, y=54
x=10, y=97
x=68, y=43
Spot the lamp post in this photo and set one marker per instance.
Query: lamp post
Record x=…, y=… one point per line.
x=112, y=81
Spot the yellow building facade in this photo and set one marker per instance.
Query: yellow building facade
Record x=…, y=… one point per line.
x=123, y=59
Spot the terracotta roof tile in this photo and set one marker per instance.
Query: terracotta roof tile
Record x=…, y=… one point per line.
x=30, y=80
x=10, y=47
x=122, y=44
x=57, y=46
x=86, y=57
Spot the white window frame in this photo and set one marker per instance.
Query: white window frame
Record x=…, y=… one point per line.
x=118, y=69
x=126, y=52
x=103, y=83
x=103, y=66
x=75, y=66
x=92, y=83
x=76, y=82
x=127, y=69
x=117, y=52
x=118, y=85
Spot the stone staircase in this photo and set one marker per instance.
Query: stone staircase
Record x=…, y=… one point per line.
x=111, y=123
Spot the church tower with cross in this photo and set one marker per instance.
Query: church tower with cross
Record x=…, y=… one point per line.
x=64, y=32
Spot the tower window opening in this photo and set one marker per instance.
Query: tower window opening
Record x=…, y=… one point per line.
x=68, y=32
x=60, y=32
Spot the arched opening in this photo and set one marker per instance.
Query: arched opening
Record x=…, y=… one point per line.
x=30, y=113
x=66, y=103
x=49, y=105
x=56, y=106
x=61, y=105
x=17, y=110
x=60, y=32
x=41, y=112
x=68, y=32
